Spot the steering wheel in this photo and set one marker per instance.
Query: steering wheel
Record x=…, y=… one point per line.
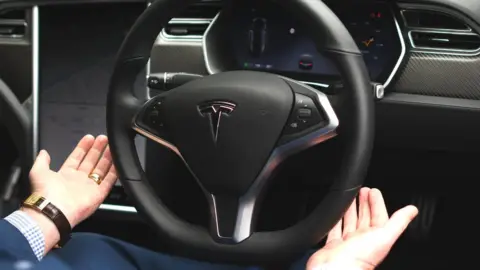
x=17, y=122
x=232, y=130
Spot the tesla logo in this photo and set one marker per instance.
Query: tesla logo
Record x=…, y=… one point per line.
x=215, y=110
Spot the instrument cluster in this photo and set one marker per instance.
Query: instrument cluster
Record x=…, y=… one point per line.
x=266, y=37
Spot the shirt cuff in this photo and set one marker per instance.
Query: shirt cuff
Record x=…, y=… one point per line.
x=30, y=229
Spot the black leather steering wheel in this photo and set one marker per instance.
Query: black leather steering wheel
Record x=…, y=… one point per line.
x=232, y=130
x=18, y=124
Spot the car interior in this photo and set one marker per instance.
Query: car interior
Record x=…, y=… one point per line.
x=243, y=129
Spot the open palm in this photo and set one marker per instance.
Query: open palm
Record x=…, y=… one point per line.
x=70, y=189
x=363, y=240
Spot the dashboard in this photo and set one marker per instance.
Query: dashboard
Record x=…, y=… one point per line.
x=421, y=62
x=432, y=99
x=264, y=36
x=432, y=84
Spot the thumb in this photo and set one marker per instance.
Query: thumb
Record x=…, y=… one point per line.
x=42, y=162
x=399, y=222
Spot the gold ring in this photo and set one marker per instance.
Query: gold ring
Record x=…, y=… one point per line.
x=95, y=177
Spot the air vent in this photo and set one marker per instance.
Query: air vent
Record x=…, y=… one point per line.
x=186, y=27
x=205, y=9
x=193, y=23
x=445, y=41
x=432, y=20
x=12, y=24
x=440, y=32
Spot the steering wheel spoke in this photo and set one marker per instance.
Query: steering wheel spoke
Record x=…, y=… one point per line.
x=311, y=121
x=149, y=122
x=232, y=218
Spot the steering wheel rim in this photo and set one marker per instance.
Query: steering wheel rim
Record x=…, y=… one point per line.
x=18, y=124
x=334, y=40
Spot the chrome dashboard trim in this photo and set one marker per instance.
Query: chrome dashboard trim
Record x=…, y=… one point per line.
x=403, y=52
x=118, y=208
x=204, y=45
x=35, y=79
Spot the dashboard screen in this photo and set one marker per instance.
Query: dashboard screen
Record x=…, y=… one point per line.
x=267, y=37
x=75, y=69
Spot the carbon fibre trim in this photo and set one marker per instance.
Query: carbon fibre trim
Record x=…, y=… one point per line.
x=440, y=75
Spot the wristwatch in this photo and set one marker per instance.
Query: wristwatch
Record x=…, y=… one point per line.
x=42, y=205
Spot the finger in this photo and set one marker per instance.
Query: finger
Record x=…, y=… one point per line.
x=42, y=162
x=109, y=180
x=336, y=232
x=364, y=209
x=378, y=210
x=78, y=154
x=94, y=154
x=103, y=164
x=350, y=219
x=399, y=222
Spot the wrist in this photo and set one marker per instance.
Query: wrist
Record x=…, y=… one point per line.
x=339, y=264
x=49, y=211
x=48, y=228
x=61, y=204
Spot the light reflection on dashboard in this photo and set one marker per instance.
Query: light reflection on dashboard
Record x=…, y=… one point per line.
x=266, y=37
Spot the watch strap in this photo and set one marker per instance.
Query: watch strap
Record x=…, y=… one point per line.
x=45, y=207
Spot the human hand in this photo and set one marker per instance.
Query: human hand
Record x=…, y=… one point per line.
x=366, y=240
x=70, y=189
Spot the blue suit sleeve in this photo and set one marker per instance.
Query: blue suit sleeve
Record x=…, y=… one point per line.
x=14, y=246
x=16, y=252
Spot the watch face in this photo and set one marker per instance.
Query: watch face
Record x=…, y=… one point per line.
x=34, y=200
